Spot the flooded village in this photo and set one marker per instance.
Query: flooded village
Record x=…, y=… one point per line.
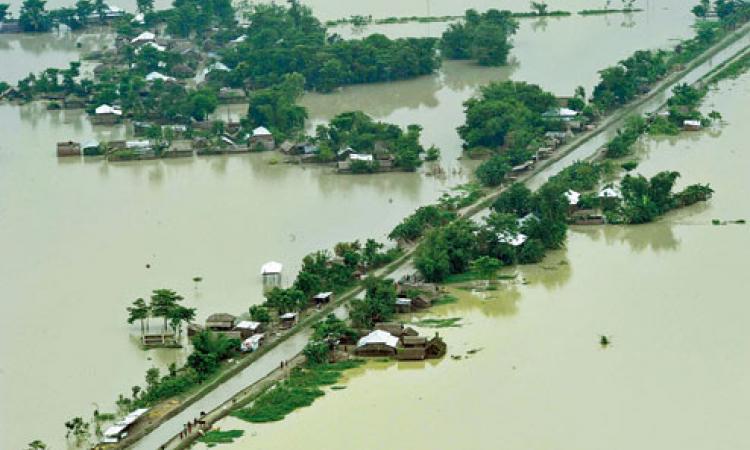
x=224, y=280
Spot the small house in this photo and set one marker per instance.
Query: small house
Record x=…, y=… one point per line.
x=230, y=95
x=403, y=305
x=377, y=343
x=271, y=274
x=179, y=149
x=288, y=320
x=323, y=298
x=609, y=193
x=220, y=322
x=691, y=125
x=414, y=341
x=107, y=115
x=411, y=354
x=248, y=328
x=74, y=102
x=588, y=217
x=421, y=301
x=262, y=138
x=573, y=198
x=544, y=153
x=91, y=148
x=68, y=148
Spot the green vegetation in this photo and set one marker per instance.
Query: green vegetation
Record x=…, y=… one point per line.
x=301, y=389
x=34, y=17
x=483, y=37
x=377, y=306
x=414, y=226
x=215, y=437
x=445, y=299
x=644, y=200
x=452, y=322
x=360, y=132
x=622, y=144
x=164, y=303
x=283, y=40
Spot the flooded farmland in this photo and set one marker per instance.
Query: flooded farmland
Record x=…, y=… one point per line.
x=670, y=296
x=76, y=237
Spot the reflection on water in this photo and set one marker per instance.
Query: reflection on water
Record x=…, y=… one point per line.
x=655, y=237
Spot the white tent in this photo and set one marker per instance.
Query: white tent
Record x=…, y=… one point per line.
x=270, y=268
x=379, y=337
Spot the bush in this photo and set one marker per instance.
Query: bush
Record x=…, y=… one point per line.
x=492, y=172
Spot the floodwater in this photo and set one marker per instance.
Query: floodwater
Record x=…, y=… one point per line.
x=671, y=296
x=76, y=236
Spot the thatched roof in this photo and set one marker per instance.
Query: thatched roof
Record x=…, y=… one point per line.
x=220, y=317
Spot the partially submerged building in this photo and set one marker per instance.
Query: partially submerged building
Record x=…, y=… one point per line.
x=68, y=148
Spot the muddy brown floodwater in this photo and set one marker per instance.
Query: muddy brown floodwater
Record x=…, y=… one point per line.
x=76, y=236
x=671, y=296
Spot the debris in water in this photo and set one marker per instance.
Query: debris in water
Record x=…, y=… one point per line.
x=604, y=341
x=456, y=357
x=474, y=350
x=197, y=279
x=148, y=266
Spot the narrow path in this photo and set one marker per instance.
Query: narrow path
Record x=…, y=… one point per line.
x=584, y=146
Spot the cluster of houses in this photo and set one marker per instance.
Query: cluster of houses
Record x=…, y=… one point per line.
x=394, y=340
x=181, y=147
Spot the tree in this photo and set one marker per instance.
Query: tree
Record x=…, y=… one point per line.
x=163, y=304
x=517, y=199
x=4, y=14
x=316, y=352
x=33, y=16
x=101, y=9
x=486, y=267
x=79, y=429
x=540, y=8
x=482, y=37
x=152, y=377
x=139, y=311
x=492, y=172
x=378, y=305
x=179, y=314
x=199, y=104
x=286, y=300
x=259, y=314
x=145, y=6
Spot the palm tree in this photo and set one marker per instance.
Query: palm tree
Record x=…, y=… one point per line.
x=139, y=311
x=180, y=314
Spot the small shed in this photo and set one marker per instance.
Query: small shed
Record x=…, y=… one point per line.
x=411, y=354
x=91, y=147
x=220, y=322
x=288, y=320
x=248, y=328
x=107, y=115
x=377, y=343
x=691, y=125
x=68, y=148
x=271, y=273
x=323, y=298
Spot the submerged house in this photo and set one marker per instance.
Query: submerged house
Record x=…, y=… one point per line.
x=220, y=322
x=107, y=115
x=691, y=125
x=68, y=148
x=403, y=305
x=377, y=343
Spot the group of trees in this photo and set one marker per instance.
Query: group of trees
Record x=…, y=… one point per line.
x=276, y=107
x=630, y=77
x=484, y=37
x=195, y=17
x=360, y=132
x=164, y=303
x=622, y=144
x=731, y=12
x=282, y=40
x=378, y=304
x=645, y=199
x=415, y=225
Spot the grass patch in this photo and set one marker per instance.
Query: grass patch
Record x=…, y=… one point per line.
x=451, y=322
x=473, y=276
x=215, y=437
x=598, y=12
x=300, y=390
x=446, y=299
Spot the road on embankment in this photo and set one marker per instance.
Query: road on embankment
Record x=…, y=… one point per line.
x=581, y=147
